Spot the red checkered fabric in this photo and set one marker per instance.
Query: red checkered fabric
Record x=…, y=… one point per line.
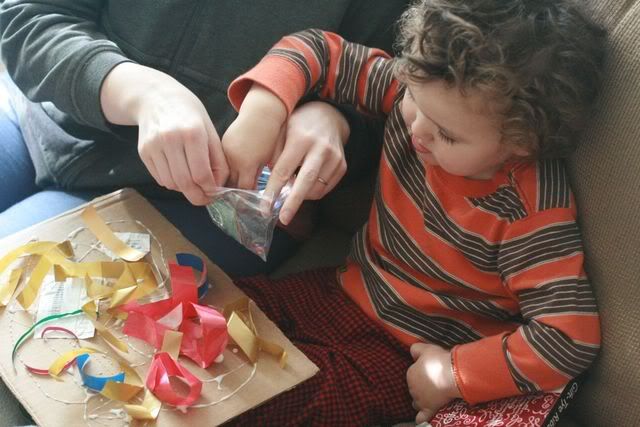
x=362, y=378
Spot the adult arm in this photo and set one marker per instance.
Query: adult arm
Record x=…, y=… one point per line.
x=54, y=51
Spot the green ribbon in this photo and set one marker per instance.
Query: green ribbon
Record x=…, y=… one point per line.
x=24, y=336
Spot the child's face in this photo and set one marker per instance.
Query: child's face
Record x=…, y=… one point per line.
x=460, y=133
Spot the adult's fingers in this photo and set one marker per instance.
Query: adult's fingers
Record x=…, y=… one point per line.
x=151, y=167
x=332, y=171
x=199, y=162
x=217, y=159
x=179, y=167
x=163, y=170
x=306, y=180
x=283, y=171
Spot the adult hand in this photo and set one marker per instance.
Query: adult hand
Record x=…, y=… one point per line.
x=315, y=136
x=430, y=380
x=177, y=141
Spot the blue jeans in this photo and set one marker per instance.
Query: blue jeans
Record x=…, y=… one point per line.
x=22, y=204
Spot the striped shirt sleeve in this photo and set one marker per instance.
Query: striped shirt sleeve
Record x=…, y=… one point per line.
x=541, y=264
x=314, y=61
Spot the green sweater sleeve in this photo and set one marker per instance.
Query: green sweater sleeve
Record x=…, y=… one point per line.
x=54, y=52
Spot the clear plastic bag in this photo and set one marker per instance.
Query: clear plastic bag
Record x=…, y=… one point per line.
x=245, y=216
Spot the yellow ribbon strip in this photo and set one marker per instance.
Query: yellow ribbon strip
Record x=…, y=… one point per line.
x=90, y=309
x=30, y=292
x=126, y=390
x=171, y=343
x=147, y=410
x=44, y=250
x=102, y=231
x=7, y=290
x=138, y=275
x=96, y=291
x=122, y=392
x=122, y=296
x=33, y=248
x=243, y=336
x=243, y=331
x=109, y=337
x=58, y=365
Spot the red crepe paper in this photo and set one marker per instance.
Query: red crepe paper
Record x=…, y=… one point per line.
x=163, y=367
x=205, y=329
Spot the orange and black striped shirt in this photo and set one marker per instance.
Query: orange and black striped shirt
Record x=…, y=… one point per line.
x=492, y=269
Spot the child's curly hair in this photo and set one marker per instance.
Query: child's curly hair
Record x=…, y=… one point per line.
x=541, y=60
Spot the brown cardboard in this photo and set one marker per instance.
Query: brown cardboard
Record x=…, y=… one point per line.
x=41, y=395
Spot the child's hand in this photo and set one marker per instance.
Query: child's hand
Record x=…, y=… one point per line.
x=430, y=379
x=254, y=138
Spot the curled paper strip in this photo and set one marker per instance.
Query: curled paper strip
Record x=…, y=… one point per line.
x=59, y=329
x=243, y=331
x=147, y=410
x=206, y=337
x=33, y=248
x=171, y=344
x=93, y=382
x=29, y=331
x=126, y=390
x=102, y=231
x=204, y=329
x=59, y=364
x=135, y=274
x=29, y=293
x=198, y=264
x=7, y=289
x=47, y=252
x=158, y=381
x=40, y=371
x=104, y=333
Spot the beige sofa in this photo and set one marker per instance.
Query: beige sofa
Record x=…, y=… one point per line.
x=606, y=177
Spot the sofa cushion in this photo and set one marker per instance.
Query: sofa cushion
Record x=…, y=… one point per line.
x=606, y=176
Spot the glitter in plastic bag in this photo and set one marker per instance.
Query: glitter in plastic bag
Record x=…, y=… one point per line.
x=242, y=215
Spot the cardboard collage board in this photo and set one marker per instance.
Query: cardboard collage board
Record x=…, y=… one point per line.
x=230, y=387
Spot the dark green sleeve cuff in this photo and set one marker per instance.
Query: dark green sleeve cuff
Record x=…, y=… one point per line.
x=87, y=83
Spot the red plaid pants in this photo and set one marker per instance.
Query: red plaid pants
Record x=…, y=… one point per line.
x=362, y=377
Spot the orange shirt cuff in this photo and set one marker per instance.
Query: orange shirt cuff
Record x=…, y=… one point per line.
x=481, y=371
x=279, y=75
